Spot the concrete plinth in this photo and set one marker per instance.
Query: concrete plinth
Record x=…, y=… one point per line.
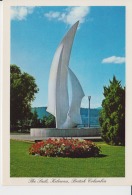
x=75, y=132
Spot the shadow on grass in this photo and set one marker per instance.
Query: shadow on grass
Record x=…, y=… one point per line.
x=102, y=155
x=72, y=157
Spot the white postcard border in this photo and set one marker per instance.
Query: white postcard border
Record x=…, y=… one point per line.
x=7, y=180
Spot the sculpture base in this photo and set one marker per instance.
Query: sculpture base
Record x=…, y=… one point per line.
x=73, y=132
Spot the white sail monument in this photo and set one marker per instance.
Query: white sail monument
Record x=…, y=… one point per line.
x=67, y=114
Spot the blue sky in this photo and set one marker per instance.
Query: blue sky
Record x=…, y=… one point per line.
x=98, y=50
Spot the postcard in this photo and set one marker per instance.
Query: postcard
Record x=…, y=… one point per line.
x=66, y=93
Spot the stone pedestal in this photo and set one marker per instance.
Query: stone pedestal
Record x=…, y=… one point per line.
x=75, y=132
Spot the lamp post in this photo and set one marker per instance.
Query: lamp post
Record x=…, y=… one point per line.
x=89, y=97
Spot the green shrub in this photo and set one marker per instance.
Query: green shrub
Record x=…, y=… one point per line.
x=112, y=117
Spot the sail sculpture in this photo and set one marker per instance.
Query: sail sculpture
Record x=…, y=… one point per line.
x=67, y=116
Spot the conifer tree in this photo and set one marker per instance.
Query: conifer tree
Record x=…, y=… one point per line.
x=112, y=117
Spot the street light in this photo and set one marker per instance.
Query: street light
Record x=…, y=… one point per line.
x=89, y=97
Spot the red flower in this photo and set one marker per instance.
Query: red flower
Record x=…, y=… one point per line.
x=65, y=148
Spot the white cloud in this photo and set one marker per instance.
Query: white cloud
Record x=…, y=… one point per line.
x=114, y=60
x=21, y=12
x=52, y=15
x=70, y=15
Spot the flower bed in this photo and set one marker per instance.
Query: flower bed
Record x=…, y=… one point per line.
x=65, y=148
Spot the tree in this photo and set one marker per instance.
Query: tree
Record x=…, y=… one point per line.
x=112, y=117
x=44, y=121
x=22, y=93
x=35, y=121
x=49, y=121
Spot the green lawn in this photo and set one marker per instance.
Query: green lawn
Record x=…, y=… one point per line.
x=111, y=164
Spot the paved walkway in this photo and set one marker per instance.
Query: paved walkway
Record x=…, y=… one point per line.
x=27, y=137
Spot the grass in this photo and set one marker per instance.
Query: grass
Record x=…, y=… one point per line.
x=110, y=164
